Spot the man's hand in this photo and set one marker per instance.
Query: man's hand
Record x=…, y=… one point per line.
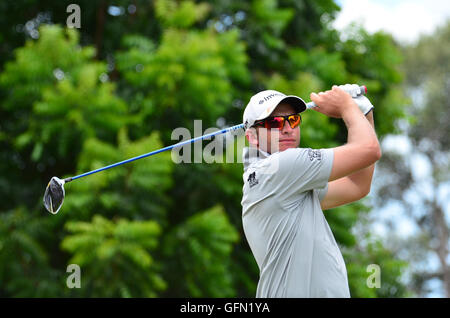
x=363, y=102
x=333, y=103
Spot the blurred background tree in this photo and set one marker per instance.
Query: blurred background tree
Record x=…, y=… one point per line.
x=417, y=180
x=76, y=100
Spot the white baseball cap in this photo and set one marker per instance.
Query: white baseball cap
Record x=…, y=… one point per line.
x=262, y=104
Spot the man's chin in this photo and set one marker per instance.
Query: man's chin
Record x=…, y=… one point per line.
x=283, y=147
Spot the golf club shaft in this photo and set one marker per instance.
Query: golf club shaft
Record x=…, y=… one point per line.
x=219, y=132
x=362, y=91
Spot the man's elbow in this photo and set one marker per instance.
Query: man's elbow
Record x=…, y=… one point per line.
x=364, y=191
x=375, y=155
x=375, y=151
x=379, y=153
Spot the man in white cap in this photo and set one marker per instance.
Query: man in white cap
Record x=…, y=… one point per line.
x=286, y=188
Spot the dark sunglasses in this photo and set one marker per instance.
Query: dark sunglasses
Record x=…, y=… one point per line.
x=278, y=121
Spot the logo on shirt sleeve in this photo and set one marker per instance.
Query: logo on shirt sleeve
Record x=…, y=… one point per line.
x=252, y=179
x=314, y=154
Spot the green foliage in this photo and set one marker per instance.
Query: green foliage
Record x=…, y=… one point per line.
x=343, y=218
x=375, y=61
x=180, y=14
x=26, y=270
x=62, y=93
x=117, y=255
x=189, y=75
x=359, y=272
x=35, y=63
x=360, y=251
x=199, y=251
x=272, y=21
x=328, y=66
x=76, y=100
x=135, y=190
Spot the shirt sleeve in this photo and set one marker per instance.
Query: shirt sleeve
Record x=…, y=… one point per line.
x=305, y=169
x=321, y=193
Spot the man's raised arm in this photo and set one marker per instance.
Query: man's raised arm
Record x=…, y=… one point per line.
x=351, y=188
x=362, y=148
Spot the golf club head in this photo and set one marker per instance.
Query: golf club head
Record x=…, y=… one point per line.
x=54, y=195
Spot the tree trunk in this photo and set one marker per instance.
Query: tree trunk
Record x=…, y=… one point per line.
x=101, y=17
x=442, y=236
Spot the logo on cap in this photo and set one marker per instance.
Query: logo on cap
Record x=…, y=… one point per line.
x=265, y=99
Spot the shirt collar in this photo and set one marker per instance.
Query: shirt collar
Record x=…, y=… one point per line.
x=251, y=155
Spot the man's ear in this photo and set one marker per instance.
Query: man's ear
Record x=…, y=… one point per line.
x=252, y=137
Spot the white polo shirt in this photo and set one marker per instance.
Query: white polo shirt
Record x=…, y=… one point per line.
x=285, y=227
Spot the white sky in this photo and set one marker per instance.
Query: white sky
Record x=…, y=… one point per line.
x=404, y=19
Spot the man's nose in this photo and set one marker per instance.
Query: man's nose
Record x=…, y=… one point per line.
x=286, y=128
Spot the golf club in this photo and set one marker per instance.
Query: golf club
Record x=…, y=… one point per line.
x=55, y=193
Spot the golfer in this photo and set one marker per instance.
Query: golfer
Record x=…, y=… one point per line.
x=286, y=188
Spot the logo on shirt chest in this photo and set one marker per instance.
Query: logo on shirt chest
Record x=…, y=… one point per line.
x=252, y=179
